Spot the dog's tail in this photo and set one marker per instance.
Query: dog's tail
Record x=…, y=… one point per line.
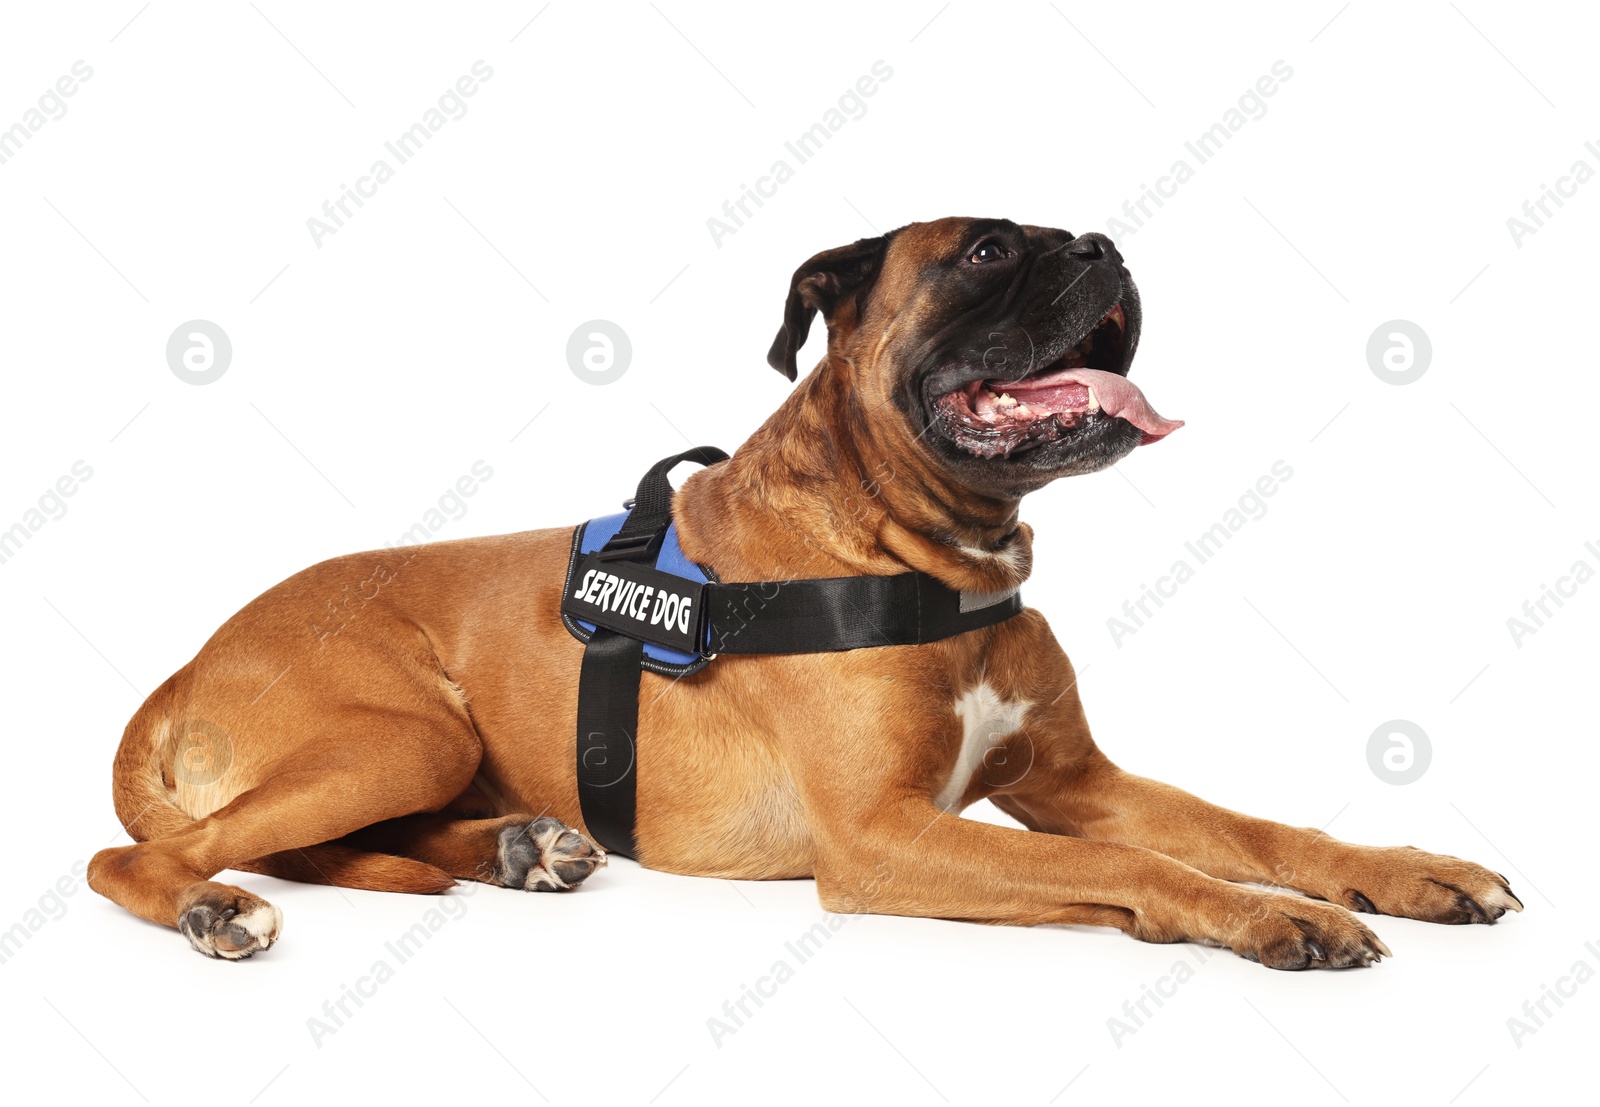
x=347, y=867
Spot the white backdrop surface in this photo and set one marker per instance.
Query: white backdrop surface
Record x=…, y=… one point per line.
x=378, y=357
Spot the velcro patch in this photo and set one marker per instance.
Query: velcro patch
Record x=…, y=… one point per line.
x=638, y=601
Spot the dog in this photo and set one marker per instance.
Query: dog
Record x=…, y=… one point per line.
x=404, y=719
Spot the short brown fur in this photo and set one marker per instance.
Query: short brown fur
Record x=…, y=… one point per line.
x=385, y=745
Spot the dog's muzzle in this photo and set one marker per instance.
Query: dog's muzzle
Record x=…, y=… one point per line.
x=1001, y=415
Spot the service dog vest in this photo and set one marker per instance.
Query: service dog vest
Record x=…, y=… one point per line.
x=635, y=601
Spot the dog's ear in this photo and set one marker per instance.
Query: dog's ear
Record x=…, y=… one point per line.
x=822, y=284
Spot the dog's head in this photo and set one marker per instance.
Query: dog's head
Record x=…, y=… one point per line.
x=1000, y=350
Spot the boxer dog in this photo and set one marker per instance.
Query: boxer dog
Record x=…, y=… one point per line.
x=403, y=719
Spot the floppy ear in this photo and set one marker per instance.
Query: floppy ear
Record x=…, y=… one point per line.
x=822, y=284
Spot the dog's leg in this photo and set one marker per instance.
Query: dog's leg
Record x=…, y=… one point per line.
x=320, y=791
x=1099, y=801
x=911, y=858
x=515, y=851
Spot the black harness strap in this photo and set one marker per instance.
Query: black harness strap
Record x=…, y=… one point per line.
x=608, y=683
x=846, y=613
x=629, y=602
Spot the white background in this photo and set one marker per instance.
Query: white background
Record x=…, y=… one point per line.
x=370, y=373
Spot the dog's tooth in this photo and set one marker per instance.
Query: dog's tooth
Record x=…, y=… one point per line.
x=1006, y=400
x=1094, y=401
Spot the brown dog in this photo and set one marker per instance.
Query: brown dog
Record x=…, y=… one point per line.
x=400, y=720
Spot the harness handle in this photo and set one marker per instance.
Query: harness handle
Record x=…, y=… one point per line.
x=646, y=525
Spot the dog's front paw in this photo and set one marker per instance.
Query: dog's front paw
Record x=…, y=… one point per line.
x=1413, y=884
x=227, y=922
x=546, y=855
x=1289, y=932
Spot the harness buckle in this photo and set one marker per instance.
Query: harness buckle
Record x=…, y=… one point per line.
x=632, y=547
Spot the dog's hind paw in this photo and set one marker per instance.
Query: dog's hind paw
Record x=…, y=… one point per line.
x=545, y=855
x=226, y=922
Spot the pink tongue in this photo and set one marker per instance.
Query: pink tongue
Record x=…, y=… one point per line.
x=1118, y=396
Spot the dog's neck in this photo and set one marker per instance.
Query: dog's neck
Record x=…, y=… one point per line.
x=827, y=488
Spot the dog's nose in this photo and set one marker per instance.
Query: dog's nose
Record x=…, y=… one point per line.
x=1091, y=246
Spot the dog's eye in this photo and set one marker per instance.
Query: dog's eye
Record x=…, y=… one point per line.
x=987, y=251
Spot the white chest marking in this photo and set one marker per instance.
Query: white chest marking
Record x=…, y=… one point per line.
x=986, y=722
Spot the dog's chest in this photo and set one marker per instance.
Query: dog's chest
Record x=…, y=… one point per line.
x=989, y=723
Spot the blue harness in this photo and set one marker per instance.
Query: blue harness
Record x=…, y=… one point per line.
x=636, y=602
x=590, y=538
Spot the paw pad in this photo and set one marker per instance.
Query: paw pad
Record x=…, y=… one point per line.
x=546, y=855
x=230, y=925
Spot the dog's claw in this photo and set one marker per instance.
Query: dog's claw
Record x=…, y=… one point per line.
x=1290, y=934
x=1408, y=883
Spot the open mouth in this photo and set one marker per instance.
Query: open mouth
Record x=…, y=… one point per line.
x=999, y=417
